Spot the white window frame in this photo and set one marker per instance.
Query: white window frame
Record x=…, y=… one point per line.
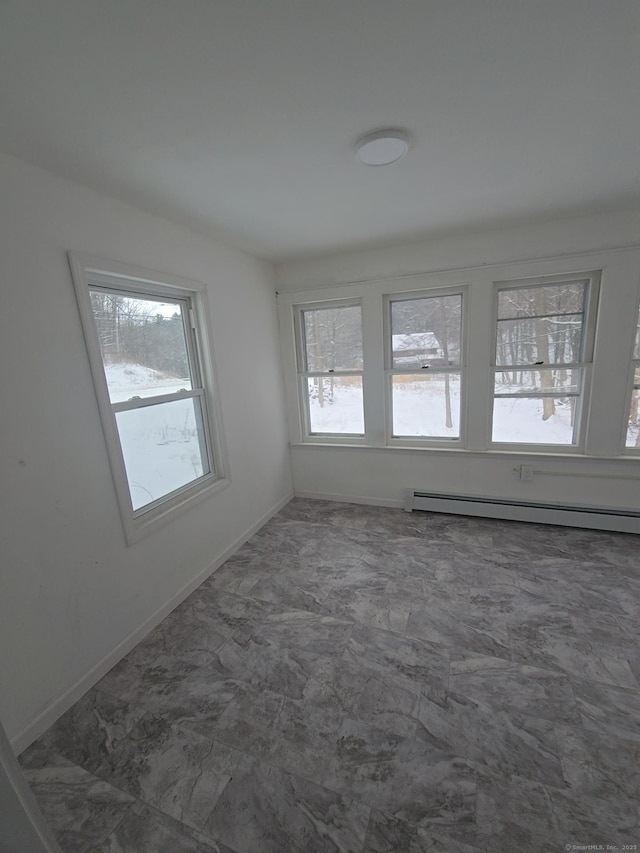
x=390, y=371
x=585, y=365
x=304, y=374
x=634, y=364
x=88, y=272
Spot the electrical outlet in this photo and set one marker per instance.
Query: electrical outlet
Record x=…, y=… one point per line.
x=526, y=473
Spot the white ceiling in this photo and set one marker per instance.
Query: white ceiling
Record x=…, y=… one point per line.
x=238, y=117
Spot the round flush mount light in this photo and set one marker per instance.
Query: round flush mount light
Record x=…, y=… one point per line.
x=382, y=147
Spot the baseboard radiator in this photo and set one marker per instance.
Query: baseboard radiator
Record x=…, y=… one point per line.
x=594, y=518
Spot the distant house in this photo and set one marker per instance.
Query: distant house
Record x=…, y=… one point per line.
x=416, y=349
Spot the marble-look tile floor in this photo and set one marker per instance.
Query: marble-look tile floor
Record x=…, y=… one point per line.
x=362, y=680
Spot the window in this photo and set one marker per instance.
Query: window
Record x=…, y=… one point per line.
x=544, y=345
x=496, y=360
x=424, y=365
x=146, y=342
x=633, y=425
x=330, y=369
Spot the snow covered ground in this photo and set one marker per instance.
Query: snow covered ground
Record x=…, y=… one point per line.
x=419, y=410
x=162, y=444
x=133, y=380
x=419, y=407
x=341, y=410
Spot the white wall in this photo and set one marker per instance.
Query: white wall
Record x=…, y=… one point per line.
x=73, y=594
x=378, y=474
x=506, y=245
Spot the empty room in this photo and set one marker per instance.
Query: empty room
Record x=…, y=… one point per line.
x=320, y=426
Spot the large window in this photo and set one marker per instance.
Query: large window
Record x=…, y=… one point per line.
x=633, y=426
x=424, y=365
x=519, y=358
x=330, y=369
x=543, y=351
x=146, y=341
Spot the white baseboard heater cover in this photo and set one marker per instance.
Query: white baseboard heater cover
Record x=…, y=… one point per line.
x=594, y=518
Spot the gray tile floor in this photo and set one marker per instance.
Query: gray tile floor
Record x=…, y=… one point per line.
x=361, y=679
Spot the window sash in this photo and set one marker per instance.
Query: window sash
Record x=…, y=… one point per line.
x=304, y=374
x=306, y=358
x=176, y=473
x=187, y=316
x=128, y=289
x=551, y=343
x=438, y=434
x=308, y=414
x=581, y=368
x=457, y=367
x=392, y=332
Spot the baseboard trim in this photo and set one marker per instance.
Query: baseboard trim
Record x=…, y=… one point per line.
x=57, y=707
x=350, y=499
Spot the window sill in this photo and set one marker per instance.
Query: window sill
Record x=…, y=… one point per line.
x=140, y=525
x=622, y=459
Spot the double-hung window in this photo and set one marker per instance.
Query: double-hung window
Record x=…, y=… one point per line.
x=424, y=365
x=633, y=425
x=146, y=341
x=330, y=362
x=543, y=354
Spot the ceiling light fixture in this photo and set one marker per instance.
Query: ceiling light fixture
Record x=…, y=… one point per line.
x=382, y=147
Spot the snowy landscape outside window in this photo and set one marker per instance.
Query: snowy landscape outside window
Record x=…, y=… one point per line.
x=542, y=356
x=425, y=366
x=149, y=354
x=633, y=426
x=330, y=364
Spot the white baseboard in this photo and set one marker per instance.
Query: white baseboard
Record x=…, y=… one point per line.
x=350, y=499
x=57, y=707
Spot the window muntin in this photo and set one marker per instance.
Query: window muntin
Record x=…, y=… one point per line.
x=542, y=352
x=632, y=440
x=330, y=367
x=425, y=334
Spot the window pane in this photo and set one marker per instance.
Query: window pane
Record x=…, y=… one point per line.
x=550, y=382
x=333, y=338
x=426, y=331
x=426, y=405
x=550, y=340
x=163, y=447
x=335, y=404
x=566, y=297
x=636, y=350
x=143, y=345
x=633, y=427
x=539, y=420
